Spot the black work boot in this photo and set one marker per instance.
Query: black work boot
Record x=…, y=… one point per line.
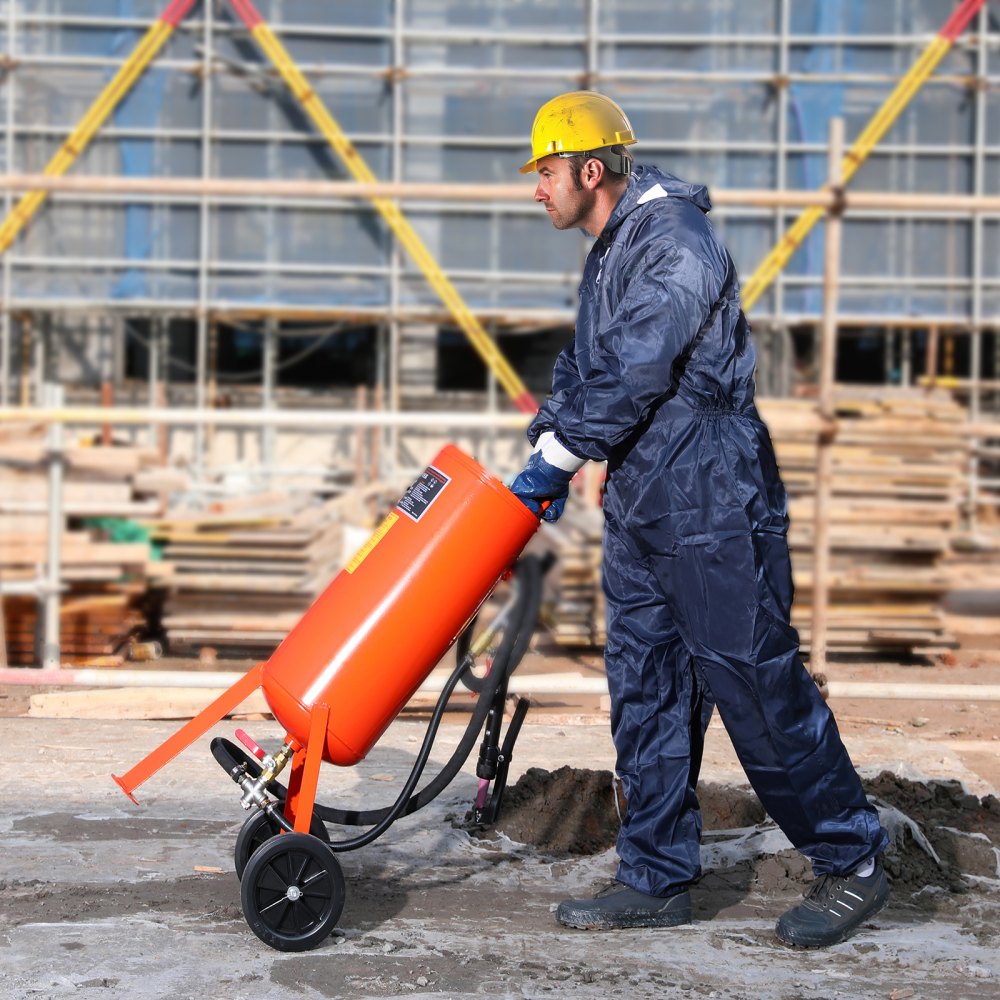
x=619, y=907
x=834, y=908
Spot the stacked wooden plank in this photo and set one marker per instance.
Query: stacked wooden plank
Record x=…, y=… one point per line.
x=578, y=618
x=104, y=582
x=243, y=572
x=98, y=481
x=899, y=462
x=94, y=629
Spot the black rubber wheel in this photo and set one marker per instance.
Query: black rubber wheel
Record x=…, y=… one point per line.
x=258, y=830
x=292, y=892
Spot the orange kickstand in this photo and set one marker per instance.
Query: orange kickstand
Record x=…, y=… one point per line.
x=188, y=733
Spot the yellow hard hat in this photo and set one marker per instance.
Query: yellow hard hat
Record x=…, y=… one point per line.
x=581, y=121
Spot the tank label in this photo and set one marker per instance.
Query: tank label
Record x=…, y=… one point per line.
x=362, y=554
x=419, y=497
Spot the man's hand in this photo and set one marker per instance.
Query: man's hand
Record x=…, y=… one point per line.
x=539, y=481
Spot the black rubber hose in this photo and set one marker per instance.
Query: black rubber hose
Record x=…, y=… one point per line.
x=512, y=648
x=469, y=679
x=276, y=815
x=405, y=801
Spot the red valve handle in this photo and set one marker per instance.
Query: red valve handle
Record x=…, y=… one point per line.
x=248, y=741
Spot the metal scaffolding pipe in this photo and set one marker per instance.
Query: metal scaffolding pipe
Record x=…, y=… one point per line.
x=537, y=684
x=522, y=319
x=553, y=279
x=438, y=72
x=436, y=140
x=218, y=187
x=325, y=419
x=826, y=406
x=311, y=419
x=51, y=656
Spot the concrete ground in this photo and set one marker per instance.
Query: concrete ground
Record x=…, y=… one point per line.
x=103, y=898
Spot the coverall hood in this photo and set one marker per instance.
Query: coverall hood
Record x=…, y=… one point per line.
x=648, y=183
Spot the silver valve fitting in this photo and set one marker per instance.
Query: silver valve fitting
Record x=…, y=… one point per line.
x=255, y=789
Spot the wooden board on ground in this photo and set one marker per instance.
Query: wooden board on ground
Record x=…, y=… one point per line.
x=136, y=703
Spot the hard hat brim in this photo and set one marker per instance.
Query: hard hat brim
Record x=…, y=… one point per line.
x=532, y=164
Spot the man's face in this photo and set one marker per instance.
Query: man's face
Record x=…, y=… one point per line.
x=566, y=200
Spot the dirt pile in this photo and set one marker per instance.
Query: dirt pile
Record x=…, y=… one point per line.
x=941, y=836
x=578, y=811
x=569, y=811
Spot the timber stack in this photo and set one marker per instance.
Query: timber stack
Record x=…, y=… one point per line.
x=105, y=573
x=899, y=460
x=141, y=556
x=243, y=571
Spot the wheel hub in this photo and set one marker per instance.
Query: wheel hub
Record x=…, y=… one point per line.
x=293, y=892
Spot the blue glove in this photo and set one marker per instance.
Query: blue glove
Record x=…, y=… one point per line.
x=540, y=481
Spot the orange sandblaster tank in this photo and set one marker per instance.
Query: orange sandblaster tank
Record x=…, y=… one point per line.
x=360, y=652
x=377, y=631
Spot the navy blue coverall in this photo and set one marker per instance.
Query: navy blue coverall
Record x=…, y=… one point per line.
x=658, y=382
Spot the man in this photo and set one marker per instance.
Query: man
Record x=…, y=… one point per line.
x=658, y=382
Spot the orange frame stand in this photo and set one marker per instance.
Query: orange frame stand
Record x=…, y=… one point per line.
x=304, y=780
x=188, y=733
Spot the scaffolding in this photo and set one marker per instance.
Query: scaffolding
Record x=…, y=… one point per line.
x=212, y=149
x=730, y=93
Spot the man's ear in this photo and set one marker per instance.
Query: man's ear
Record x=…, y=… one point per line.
x=591, y=173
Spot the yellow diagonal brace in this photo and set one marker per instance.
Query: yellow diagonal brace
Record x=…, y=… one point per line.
x=397, y=222
x=76, y=142
x=873, y=132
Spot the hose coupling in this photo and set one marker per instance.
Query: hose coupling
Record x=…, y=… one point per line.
x=255, y=789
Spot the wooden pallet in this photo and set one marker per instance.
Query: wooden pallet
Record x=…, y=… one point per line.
x=94, y=629
x=102, y=608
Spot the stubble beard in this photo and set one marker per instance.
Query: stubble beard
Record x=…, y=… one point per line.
x=564, y=222
x=571, y=217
